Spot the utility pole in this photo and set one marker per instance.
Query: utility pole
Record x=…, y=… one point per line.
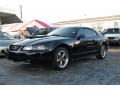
x=21, y=14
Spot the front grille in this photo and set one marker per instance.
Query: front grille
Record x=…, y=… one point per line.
x=111, y=37
x=14, y=47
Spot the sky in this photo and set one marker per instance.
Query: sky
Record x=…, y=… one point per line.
x=51, y=11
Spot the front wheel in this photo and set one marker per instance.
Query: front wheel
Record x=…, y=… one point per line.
x=61, y=58
x=102, y=52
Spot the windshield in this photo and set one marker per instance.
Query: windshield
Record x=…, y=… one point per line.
x=65, y=32
x=112, y=31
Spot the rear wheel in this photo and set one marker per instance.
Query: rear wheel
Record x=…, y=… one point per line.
x=61, y=58
x=102, y=52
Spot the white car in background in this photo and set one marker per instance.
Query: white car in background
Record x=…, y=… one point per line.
x=113, y=35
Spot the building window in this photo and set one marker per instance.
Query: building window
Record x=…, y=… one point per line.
x=99, y=25
x=115, y=24
x=94, y=26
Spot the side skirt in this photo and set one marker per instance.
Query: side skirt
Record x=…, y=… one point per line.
x=83, y=55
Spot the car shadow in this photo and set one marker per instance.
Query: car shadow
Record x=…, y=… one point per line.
x=31, y=68
x=46, y=67
x=2, y=57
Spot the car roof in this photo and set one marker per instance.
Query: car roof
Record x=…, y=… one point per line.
x=78, y=27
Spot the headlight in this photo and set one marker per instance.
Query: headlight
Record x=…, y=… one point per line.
x=37, y=47
x=27, y=48
x=40, y=47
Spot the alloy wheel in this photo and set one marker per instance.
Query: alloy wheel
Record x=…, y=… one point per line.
x=62, y=58
x=103, y=51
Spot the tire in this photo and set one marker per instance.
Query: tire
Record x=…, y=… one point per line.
x=102, y=52
x=61, y=58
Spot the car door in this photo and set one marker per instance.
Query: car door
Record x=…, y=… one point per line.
x=86, y=45
x=92, y=40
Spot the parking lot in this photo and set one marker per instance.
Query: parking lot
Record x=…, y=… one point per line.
x=83, y=72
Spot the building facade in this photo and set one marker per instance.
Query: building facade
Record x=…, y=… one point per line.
x=7, y=16
x=97, y=23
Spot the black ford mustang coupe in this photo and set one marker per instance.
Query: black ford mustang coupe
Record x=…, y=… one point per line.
x=60, y=46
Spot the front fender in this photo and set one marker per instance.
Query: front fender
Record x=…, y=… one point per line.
x=53, y=45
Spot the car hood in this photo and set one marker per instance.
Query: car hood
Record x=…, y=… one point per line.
x=40, y=40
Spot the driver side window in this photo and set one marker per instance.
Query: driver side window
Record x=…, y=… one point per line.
x=87, y=32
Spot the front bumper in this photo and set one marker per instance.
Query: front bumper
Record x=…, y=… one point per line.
x=26, y=56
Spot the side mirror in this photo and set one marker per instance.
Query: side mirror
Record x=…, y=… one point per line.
x=80, y=36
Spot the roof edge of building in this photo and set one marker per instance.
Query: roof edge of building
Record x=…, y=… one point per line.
x=88, y=20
